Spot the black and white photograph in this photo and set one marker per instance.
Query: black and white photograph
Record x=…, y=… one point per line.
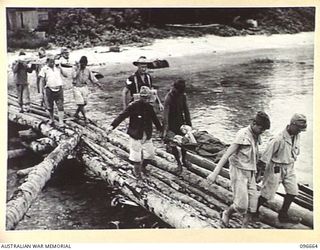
x=160, y=118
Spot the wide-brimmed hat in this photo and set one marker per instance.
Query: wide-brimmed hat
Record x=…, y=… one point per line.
x=299, y=120
x=141, y=60
x=145, y=91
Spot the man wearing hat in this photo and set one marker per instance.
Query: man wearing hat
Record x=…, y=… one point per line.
x=279, y=157
x=63, y=57
x=243, y=157
x=20, y=70
x=136, y=81
x=176, y=113
x=141, y=115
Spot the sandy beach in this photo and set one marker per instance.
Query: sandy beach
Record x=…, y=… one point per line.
x=181, y=47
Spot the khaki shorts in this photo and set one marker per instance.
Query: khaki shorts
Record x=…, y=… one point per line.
x=244, y=187
x=81, y=95
x=139, y=147
x=272, y=180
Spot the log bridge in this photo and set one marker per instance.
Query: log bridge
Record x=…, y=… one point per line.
x=183, y=201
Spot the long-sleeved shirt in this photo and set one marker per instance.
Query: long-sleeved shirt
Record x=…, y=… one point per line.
x=21, y=71
x=141, y=116
x=176, y=112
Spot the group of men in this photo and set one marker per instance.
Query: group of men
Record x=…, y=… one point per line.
x=276, y=162
x=139, y=101
x=49, y=81
x=247, y=165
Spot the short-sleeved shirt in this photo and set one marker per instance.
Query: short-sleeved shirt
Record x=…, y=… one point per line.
x=282, y=149
x=136, y=81
x=52, y=77
x=247, y=154
x=83, y=78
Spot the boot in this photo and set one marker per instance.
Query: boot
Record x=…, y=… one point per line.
x=145, y=163
x=175, y=153
x=185, y=163
x=61, y=115
x=143, y=166
x=83, y=112
x=283, y=213
x=51, y=115
x=137, y=170
x=261, y=201
x=76, y=115
x=225, y=216
x=246, y=219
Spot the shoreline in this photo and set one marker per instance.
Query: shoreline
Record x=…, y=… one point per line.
x=182, y=46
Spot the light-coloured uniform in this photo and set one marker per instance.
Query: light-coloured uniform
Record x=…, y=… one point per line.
x=242, y=171
x=81, y=78
x=280, y=153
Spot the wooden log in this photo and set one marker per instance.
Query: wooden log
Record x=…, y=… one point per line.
x=218, y=193
x=40, y=146
x=301, y=200
x=37, y=178
x=28, y=134
x=117, y=138
x=15, y=153
x=34, y=109
x=38, y=125
x=169, y=210
x=177, y=183
x=163, y=180
x=26, y=171
x=275, y=205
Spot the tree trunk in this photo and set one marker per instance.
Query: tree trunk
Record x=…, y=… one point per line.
x=219, y=192
x=28, y=134
x=40, y=146
x=169, y=210
x=14, y=153
x=41, y=173
x=38, y=125
x=191, y=187
x=18, y=205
